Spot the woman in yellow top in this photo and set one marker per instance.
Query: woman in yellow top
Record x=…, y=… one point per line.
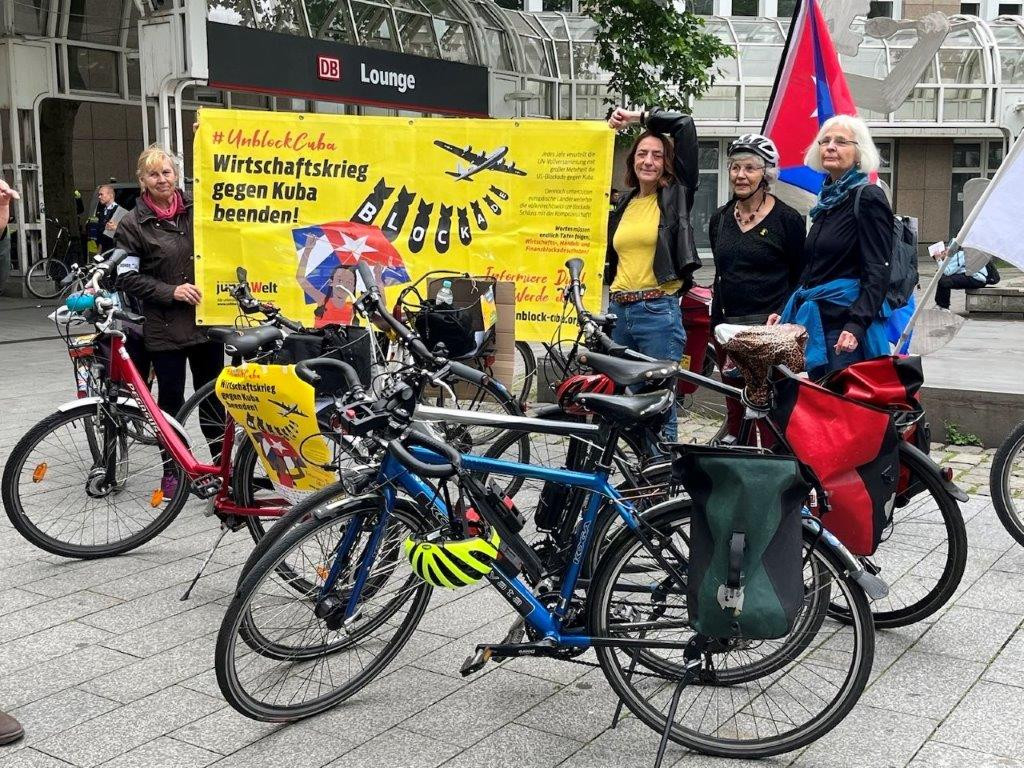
x=651, y=251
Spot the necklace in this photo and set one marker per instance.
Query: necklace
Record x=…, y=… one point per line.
x=740, y=218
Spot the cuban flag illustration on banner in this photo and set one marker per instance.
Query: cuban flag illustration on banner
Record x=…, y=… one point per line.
x=809, y=89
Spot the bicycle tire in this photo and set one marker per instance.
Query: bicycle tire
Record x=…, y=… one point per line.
x=525, y=372
x=240, y=611
x=999, y=482
x=43, y=279
x=854, y=678
x=14, y=472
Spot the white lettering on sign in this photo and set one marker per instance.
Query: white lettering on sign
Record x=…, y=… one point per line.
x=400, y=81
x=328, y=68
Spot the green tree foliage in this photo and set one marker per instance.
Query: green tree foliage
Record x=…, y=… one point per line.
x=656, y=54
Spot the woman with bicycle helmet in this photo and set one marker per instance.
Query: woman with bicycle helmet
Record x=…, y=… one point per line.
x=757, y=242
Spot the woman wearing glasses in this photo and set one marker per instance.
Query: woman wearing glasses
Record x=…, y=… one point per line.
x=757, y=242
x=846, y=270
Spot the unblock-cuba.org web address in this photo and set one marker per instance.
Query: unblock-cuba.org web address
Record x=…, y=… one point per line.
x=538, y=317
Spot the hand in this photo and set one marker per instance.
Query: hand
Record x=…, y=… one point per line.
x=188, y=293
x=110, y=226
x=941, y=254
x=773, y=319
x=7, y=194
x=622, y=117
x=934, y=25
x=847, y=343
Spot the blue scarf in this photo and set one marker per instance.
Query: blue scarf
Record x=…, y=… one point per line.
x=802, y=308
x=834, y=192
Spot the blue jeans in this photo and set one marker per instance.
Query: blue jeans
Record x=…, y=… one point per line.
x=653, y=328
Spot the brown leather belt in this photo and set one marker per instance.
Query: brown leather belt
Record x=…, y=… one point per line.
x=632, y=297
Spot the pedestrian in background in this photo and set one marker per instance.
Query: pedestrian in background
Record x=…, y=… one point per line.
x=651, y=251
x=106, y=209
x=955, y=277
x=840, y=300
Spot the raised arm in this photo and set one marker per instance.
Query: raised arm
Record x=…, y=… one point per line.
x=310, y=290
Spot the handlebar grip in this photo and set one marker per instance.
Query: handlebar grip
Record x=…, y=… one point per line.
x=575, y=267
x=421, y=468
x=365, y=272
x=129, y=317
x=468, y=373
x=306, y=370
x=119, y=255
x=291, y=325
x=606, y=345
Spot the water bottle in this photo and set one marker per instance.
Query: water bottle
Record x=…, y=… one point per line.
x=445, y=296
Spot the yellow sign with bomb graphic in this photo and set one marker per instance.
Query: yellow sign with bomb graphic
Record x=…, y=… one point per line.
x=298, y=199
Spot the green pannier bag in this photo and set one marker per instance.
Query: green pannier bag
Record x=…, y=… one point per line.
x=745, y=577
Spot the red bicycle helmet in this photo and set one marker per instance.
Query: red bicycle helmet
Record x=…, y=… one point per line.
x=582, y=383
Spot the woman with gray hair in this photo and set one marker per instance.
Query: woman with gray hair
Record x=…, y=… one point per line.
x=757, y=242
x=841, y=298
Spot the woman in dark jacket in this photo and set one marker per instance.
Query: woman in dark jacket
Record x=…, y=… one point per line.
x=757, y=242
x=651, y=251
x=841, y=298
x=160, y=270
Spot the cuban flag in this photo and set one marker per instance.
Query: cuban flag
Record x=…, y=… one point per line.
x=343, y=243
x=809, y=89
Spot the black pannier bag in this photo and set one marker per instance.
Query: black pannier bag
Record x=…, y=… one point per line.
x=745, y=576
x=448, y=326
x=350, y=344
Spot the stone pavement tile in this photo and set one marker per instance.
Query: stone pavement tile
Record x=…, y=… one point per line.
x=50, y=613
x=923, y=684
x=64, y=710
x=204, y=682
x=199, y=621
x=155, y=578
x=935, y=754
x=484, y=706
x=580, y=710
x=224, y=731
x=1008, y=667
x=984, y=530
x=419, y=645
x=164, y=753
x=447, y=659
x=516, y=745
x=144, y=611
x=890, y=645
x=293, y=747
x=996, y=591
x=555, y=670
x=869, y=737
x=29, y=758
x=141, y=678
x=46, y=645
x=460, y=616
x=123, y=729
x=968, y=633
x=45, y=679
x=88, y=574
x=398, y=748
x=1012, y=561
x=386, y=702
x=15, y=599
x=979, y=561
x=990, y=719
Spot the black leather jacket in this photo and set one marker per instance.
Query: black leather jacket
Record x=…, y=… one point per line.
x=675, y=255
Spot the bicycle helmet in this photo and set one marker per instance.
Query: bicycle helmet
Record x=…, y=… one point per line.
x=452, y=564
x=580, y=384
x=756, y=144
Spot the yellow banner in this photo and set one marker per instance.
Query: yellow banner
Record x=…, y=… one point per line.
x=295, y=198
x=277, y=411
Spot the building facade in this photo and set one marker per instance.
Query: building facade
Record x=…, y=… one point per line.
x=71, y=75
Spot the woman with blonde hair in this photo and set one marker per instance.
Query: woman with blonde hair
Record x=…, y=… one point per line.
x=160, y=271
x=841, y=293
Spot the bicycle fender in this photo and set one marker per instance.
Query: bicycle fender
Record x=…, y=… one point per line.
x=906, y=449
x=128, y=403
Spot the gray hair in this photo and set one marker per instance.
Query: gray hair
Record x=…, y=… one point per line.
x=867, y=157
x=771, y=172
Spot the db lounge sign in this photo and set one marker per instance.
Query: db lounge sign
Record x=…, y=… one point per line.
x=324, y=70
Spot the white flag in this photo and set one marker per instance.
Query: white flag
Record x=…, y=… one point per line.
x=996, y=226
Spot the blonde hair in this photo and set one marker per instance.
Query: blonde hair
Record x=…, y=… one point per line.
x=152, y=157
x=867, y=158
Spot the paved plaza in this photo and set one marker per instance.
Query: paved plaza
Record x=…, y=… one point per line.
x=105, y=666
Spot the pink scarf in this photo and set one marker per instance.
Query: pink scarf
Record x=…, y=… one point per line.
x=165, y=214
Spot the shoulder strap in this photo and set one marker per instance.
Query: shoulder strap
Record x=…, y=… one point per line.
x=856, y=201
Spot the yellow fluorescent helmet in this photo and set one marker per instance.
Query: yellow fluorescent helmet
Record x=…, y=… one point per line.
x=452, y=564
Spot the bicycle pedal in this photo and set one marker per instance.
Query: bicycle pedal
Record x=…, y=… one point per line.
x=475, y=662
x=206, y=487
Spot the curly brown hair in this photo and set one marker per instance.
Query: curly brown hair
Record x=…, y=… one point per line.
x=668, y=175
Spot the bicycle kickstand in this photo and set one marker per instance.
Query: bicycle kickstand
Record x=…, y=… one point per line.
x=691, y=659
x=223, y=532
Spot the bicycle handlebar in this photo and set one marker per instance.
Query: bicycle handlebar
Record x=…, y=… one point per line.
x=422, y=468
x=306, y=370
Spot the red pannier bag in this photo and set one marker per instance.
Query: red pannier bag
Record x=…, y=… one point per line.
x=853, y=450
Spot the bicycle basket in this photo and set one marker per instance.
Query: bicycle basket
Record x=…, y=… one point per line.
x=467, y=327
x=349, y=343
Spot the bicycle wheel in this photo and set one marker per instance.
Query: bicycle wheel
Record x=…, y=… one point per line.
x=524, y=374
x=489, y=397
x=203, y=418
x=923, y=552
x=277, y=659
x=43, y=279
x=1007, y=483
x=751, y=699
x=55, y=490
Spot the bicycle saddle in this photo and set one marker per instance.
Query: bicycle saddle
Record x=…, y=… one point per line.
x=628, y=372
x=250, y=343
x=757, y=349
x=223, y=335
x=627, y=409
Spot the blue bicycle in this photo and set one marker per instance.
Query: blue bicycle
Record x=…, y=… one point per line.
x=336, y=597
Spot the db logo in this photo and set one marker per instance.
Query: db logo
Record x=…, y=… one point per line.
x=328, y=68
